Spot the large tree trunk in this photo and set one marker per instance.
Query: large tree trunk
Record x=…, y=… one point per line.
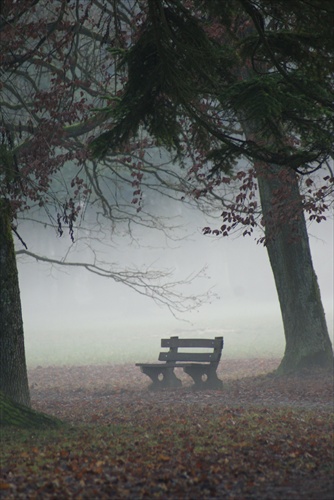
x=13, y=370
x=308, y=343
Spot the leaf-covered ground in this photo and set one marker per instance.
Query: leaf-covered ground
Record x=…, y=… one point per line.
x=258, y=438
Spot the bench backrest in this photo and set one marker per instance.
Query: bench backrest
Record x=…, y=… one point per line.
x=174, y=343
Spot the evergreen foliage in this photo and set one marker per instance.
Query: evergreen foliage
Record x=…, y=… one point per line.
x=186, y=62
x=171, y=52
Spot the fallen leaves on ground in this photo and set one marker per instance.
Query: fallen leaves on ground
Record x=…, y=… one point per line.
x=260, y=437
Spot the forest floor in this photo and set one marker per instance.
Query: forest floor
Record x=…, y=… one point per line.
x=260, y=437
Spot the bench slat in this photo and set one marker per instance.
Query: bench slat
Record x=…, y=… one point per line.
x=189, y=356
x=205, y=343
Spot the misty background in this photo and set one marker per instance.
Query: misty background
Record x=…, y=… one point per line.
x=74, y=317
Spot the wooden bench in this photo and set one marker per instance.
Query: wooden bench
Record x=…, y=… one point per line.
x=201, y=366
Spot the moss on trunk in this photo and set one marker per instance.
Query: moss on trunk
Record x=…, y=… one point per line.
x=17, y=415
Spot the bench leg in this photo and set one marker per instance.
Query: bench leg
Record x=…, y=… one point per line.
x=197, y=373
x=162, y=378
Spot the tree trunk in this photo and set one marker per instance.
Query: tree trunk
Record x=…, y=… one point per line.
x=308, y=343
x=14, y=414
x=13, y=370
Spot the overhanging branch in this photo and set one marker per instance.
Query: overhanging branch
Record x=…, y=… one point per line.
x=150, y=282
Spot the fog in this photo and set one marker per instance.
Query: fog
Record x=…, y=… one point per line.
x=74, y=317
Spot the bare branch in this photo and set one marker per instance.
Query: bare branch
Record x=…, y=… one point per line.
x=151, y=283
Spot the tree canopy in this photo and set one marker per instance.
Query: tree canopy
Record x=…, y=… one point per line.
x=186, y=71
x=58, y=66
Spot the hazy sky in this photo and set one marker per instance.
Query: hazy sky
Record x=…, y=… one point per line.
x=67, y=311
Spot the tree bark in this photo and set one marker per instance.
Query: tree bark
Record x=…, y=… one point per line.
x=13, y=369
x=308, y=343
x=14, y=414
